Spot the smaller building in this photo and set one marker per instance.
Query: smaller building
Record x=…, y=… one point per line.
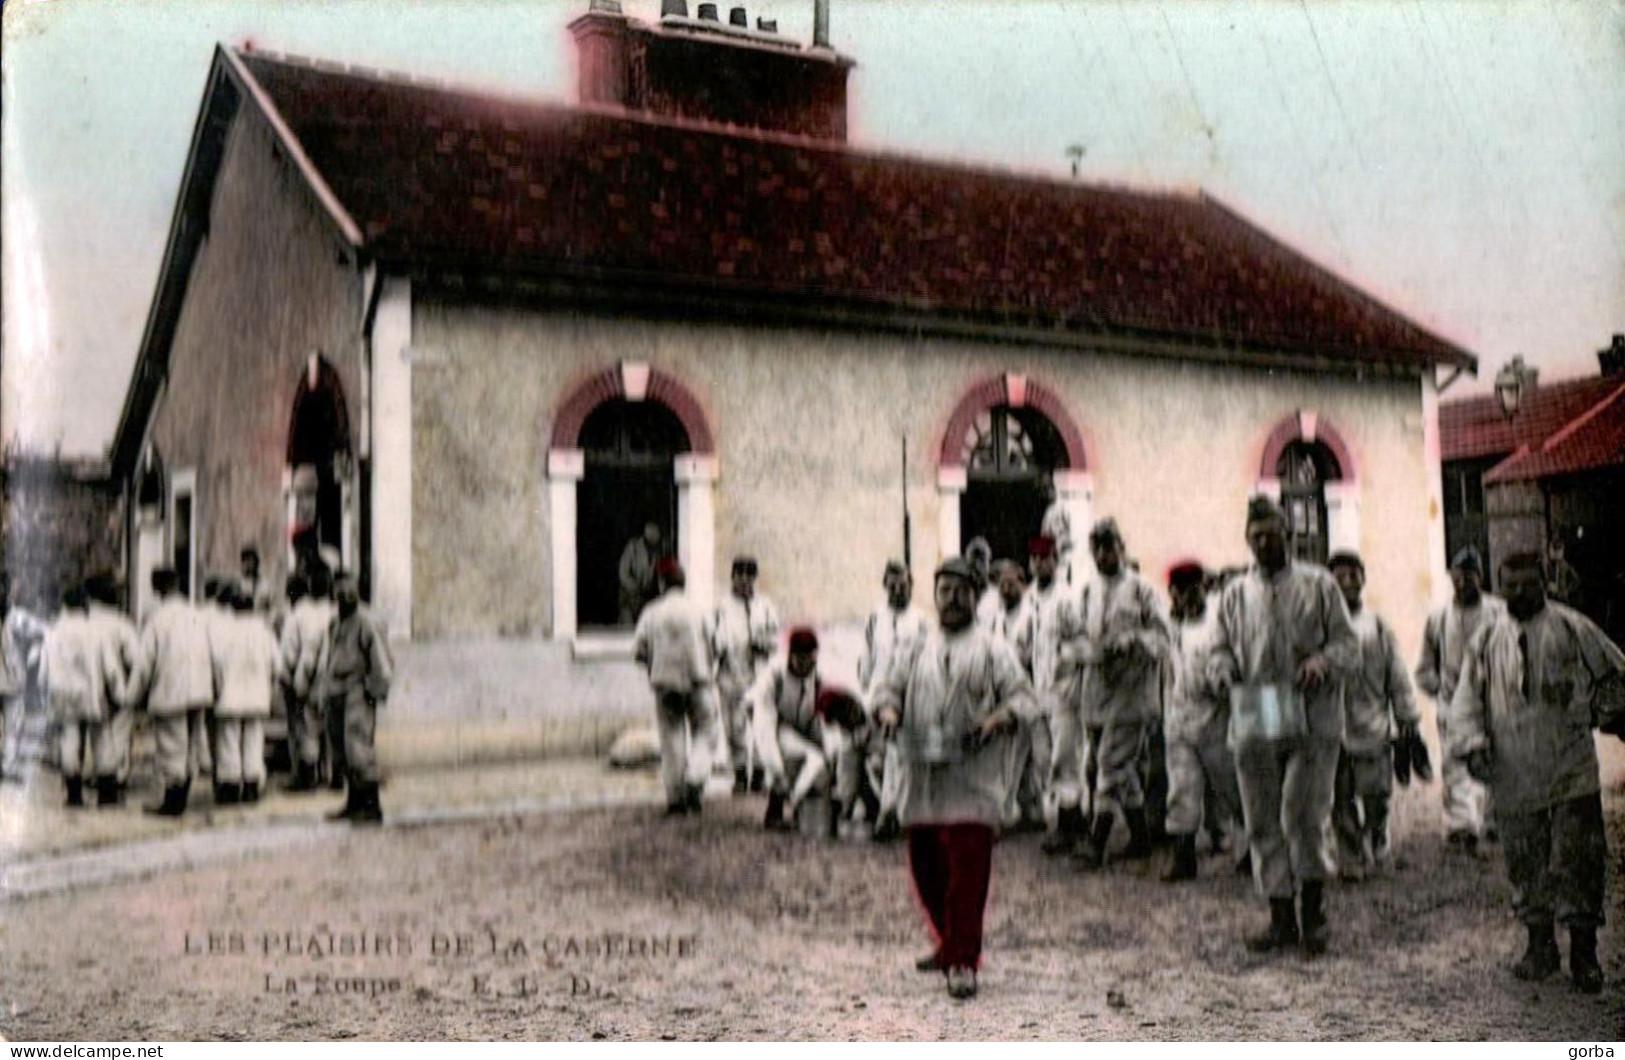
x=1545, y=469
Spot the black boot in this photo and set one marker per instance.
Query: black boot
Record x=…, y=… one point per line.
x=1583, y=966
x=107, y=793
x=352, y=803
x=228, y=794
x=174, y=803
x=887, y=828
x=871, y=809
x=1092, y=854
x=1541, y=958
x=774, y=821
x=367, y=810
x=1184, y=864
x=741, y=780
x=758, y=780
x=1069, y=828
x=1314, y=918
x=835, y=810
x=1244, y=867
x=76, y=791
x=1139, y=833
x=1283, y=929
x=251, y=792
x=304, y=778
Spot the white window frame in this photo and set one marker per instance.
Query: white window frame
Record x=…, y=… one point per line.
x=184, y=482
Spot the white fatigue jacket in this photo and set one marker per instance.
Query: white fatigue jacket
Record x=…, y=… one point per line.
x=1120, y=610
x=20, y=637
x=1377, y=692
x=115, y=627
x=885, y=631
x=1444, y=645
x=81, y=670
x=780, y=699
x=1005, y=622
x=1530, y=694
x=176, y=669
x=1270, y=625
x=943, y=685
x=670, y=641
x=1195, y=701
x=1057, y=526
x=302, y=636
x=743, y=636
x=247, y=663
x=1038, y=641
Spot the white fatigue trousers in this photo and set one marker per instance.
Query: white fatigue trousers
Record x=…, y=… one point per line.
x=734, y=729
x=87, y=750
x=13, y=711
x=814, y=771
x=239, y=750
x=1287, y=789
x=1193, y=767
x=1466, y=799
x=1027, y=771
x=1111, y=767
x=179, y=738
x=120, y=741
x=1066, y=751
x=688, y=734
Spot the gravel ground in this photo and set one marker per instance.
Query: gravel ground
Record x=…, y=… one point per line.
x=619, y=924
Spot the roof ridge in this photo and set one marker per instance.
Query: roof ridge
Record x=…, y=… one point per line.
x=1574, y=425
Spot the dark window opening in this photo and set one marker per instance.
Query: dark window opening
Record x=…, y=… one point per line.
x=1009, y=454
x=1303, y=470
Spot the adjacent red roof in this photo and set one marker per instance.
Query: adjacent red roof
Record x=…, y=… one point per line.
x=1476, y=427
x=455, y=180
x=1594, y=439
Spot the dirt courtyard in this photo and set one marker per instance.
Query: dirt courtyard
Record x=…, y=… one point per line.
x=619, y=924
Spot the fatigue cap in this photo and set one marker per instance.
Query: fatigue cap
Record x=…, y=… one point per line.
x=1468, y=561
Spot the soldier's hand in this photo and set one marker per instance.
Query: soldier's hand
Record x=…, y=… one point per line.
x=999, y=721
x=1312, y=672
x=1479, y=763
x=888, y=719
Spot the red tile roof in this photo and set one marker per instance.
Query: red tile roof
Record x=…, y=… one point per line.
x=1475, y=428
x=1595, y=439
x=455, y=180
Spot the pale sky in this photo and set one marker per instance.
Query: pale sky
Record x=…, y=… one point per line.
x=1463, y=161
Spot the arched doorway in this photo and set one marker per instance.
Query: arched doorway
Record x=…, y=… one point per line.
x=629, y=451
x=1304, y=469
x=320, y=466
x=1010, y=454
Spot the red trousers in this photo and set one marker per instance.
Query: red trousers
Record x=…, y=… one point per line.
x=952, y=865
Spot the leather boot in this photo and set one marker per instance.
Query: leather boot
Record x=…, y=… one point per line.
x=774, y=821
x=367, y=810
x=1092, y=854
x=1069, y=828
x=835, y=811
x=107, y=793
x=251, y=792
x=1184, y=863
x=174, y=803
x=76, y=791
x=304, y=778
x=1541, y=958
x=741, y=780
x=228, y=794
x=1583, y=966
x=1139, y=834
x=352, y=803
x=1283, y=929
x=1314, y=918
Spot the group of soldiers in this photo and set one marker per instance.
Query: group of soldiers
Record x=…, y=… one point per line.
x=207, y=675
x=1281, y=701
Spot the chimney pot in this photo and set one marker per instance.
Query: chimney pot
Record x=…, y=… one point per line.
x=737, y=17
x=708, y=12
x=768, y=25
x=820, y=23
x=674, y=7
x=608, y=7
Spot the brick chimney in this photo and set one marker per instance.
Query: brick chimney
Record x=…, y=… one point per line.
x=1611, y=358
x=711, y=70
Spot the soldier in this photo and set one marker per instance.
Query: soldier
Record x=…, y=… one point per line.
x=894, y=624
x=101, y=606
x=1198, y=714
x=1377, y=704
x=353, y=673
x=1444, y=644
x=639, y=584
x=1284, y=644
x=83, y=679
x=247, y=666
x=952, y=697
x=175, y=675
x=1117, y=639
x=670, y=642
x=1536, y=679
x=790, y=733
x=1057, y=526
x=20, y=636
x=744, y=634
x=1023, y=810
x=249, y=581
x=1038, y=649
x=302, y=635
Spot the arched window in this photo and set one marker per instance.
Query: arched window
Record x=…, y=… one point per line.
x=1304, y=469
x=1009, y=455
x=629, y=449
x=319, y=457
